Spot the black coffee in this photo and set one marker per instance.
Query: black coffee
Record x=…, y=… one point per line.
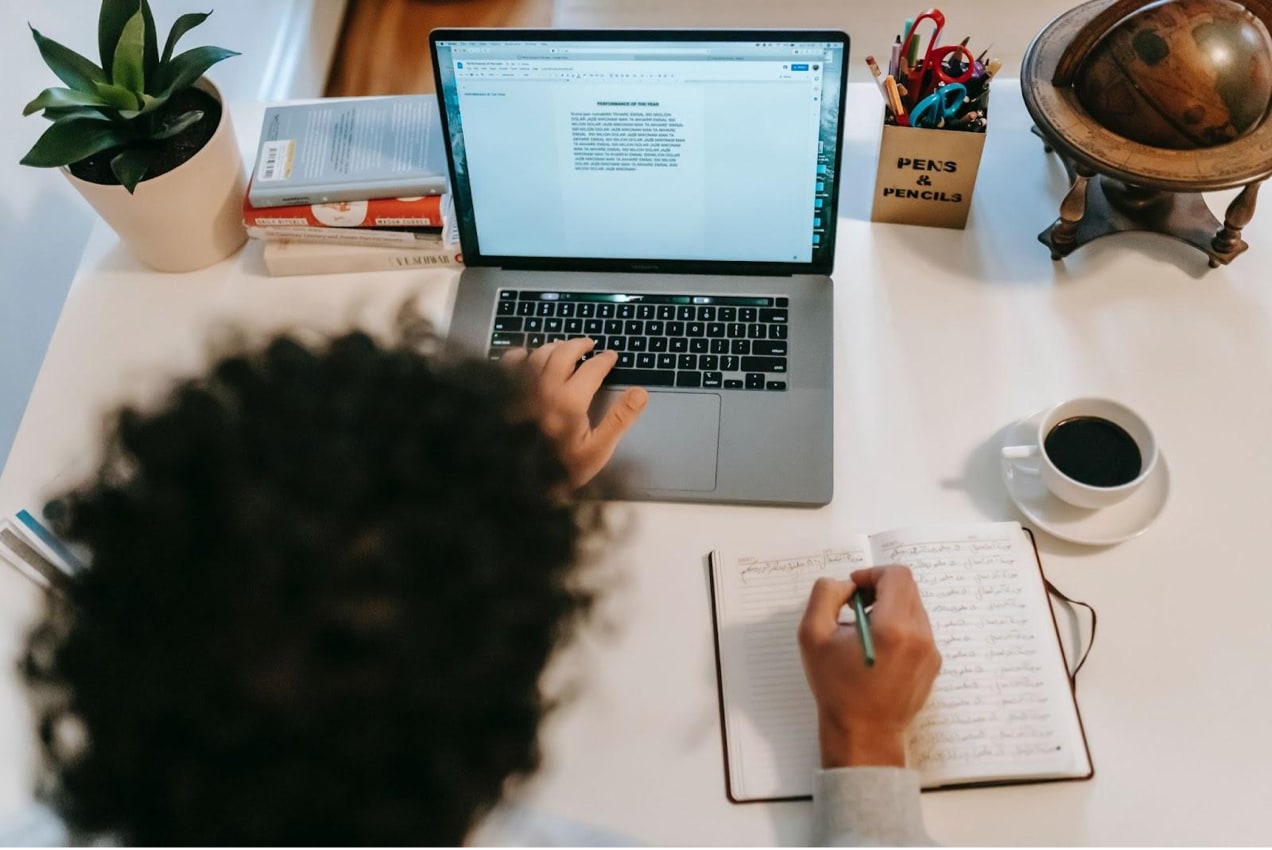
x=1093, y=451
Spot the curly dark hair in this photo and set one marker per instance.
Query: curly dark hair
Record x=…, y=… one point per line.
x=325, y=580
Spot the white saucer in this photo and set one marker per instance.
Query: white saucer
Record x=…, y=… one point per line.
x=1102, y=527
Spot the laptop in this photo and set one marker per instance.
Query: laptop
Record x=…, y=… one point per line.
x=671, y=194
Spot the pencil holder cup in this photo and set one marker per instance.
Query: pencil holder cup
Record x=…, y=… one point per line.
x=926, y=176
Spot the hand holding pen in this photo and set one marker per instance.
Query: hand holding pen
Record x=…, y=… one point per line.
x=863, y=710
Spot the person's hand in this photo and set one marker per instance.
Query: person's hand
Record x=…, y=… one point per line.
x=863, y=712
x=563, y=395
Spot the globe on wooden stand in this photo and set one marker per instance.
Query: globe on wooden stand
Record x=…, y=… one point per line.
x=1149, y=103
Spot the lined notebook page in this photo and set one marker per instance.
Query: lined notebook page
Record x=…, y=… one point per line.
x=770, y=719
x=1000, y=709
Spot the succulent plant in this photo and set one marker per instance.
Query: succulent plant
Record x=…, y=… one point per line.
x=125, y=105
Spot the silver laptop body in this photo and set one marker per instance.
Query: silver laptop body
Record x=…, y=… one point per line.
x=664, y=181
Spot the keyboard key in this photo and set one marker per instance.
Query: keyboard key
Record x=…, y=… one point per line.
x=736, y=329
x=769, y=348
x=525, y=308
x=706, y=314
x=618, y=343
x=774, y=315
x=634, y=328
x=727, y=314
x=687, y=361
x=777, y=331
x=553, y=326
x=646, y=361
x=740, y=346
x=748, y=314
x=507, y=340
x=775, y=385
x=688, y=379
x=715, y=329
x=654, y=328
x=666, y=361
x=708, y=362
x=719, y=346
x=535, y=340
x=565, y=309
x=666, y=312
x=637, y=343
x=675, y=329
x=763, y=364
x=733, y=384
x=507, y=295
x=699, y=345
x=599, y=343
x=626, y=311
x=686, y=314
x=754, y=381
x=556, y=337
x=574, y=326
x=642, y=377
x=695, y=329
x=626, y=360
x=506, y=308
x=593, y=326
x=644, y=311
x=658, y=343
x=587, y=310
x=730, y=364
x=757, y=331
x=546, y=308
x=679, y=344
x=604, y=311
x=783, y=302
x=712, y=380
x=508, y=323
x=533, y=325
x=614, y=326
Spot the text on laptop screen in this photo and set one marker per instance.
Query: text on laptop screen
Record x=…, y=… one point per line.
x=678, y=150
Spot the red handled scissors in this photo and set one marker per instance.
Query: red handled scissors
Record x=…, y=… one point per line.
x=935, y=66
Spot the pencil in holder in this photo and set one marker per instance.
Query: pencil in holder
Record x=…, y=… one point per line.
x=926, y=176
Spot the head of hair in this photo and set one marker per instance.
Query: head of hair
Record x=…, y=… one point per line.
x=324, y=582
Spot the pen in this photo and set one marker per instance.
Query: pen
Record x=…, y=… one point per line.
x=863, y=628
x=894, y=62
x=894, y=100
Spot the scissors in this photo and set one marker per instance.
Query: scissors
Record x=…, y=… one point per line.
x=939, y=107
x=935, y=66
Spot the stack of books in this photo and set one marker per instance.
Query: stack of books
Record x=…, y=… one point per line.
x=352, y=184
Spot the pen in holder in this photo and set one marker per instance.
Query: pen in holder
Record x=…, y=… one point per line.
x=936, y=115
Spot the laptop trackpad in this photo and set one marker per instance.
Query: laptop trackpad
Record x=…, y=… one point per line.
x=673, y=445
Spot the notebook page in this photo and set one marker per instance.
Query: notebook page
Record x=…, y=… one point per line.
x=1001, y=707
x=770, y=720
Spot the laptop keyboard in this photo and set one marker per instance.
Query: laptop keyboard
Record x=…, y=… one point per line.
x=696, y=341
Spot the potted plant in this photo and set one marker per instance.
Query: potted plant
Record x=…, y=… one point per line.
x=146, y=138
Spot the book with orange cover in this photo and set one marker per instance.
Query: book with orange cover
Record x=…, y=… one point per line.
x=423, y=211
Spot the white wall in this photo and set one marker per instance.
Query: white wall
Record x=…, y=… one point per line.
x=287, y=47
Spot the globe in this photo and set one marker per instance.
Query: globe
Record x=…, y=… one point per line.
x=1180, y=74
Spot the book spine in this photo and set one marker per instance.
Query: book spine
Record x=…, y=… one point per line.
x=284, y=196
x=291, y=258
x=425, y=211
x=401, y=239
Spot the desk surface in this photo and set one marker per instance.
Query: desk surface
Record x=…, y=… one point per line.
x=943, y=339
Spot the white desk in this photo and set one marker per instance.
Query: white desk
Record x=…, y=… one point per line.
x=943, y=338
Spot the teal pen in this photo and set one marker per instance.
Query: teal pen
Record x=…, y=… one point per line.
x=863, y=629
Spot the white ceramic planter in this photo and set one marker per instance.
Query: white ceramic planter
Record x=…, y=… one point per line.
x=188, y=218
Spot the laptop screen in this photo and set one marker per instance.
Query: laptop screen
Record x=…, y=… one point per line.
x=644, y=150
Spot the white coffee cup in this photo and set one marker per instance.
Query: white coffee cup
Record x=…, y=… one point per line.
x=1069, y=489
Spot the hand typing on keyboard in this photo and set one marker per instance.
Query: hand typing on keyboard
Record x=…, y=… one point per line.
x=564, y=392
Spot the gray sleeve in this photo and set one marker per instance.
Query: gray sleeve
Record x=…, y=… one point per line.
x=867, y=806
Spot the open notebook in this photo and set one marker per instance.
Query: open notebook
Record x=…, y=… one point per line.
x=1001, y=710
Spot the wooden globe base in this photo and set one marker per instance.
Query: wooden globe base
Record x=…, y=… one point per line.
x=1098, y=205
